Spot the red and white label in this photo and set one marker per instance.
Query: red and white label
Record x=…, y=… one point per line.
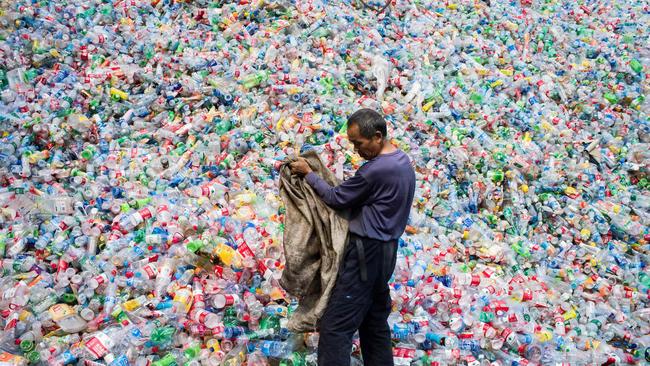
x=245, y=251
x=98, y=345
x=199, y=315
x=400, y=352
x=199, y=300
x=218, y=270
x=145, y=213
x=162, y=208
x=476, y=280
x=101, y=279
x=62, y=266
x=150, y=270
x=12, y=323
x=264, y=270
x=506, y=333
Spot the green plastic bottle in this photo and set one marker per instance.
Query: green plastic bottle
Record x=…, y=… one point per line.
x=496, y=176
x=254, y=80
x=168, y=360
x=4, y=82
x=636, y=66
x=194, y=246
x=162, y=335
x=610, y=97
x=222, y=126
x=3, y=244
x=192, y=352
x=296, y=359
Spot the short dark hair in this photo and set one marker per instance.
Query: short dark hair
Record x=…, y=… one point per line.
x=369, y=122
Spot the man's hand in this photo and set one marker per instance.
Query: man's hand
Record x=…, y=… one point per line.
x=300, y=167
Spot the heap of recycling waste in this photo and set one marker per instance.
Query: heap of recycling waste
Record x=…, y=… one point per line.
x=140, y=221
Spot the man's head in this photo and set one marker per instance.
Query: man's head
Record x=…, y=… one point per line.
x=367, y=132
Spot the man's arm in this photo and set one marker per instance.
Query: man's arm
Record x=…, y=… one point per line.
x=349, y=193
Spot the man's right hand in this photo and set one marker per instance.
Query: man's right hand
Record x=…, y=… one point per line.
x=300, y=167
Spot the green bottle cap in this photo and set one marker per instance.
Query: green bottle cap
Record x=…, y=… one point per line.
x=27, y=345
x=33, y=357
x=68, y=298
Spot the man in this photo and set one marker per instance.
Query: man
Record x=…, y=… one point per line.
x=379, y=197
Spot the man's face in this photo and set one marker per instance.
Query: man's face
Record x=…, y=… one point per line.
x=365, y=147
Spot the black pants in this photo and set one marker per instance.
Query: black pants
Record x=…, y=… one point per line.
x=360, y=301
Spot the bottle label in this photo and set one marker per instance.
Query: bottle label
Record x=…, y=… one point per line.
x=101, y=279
x=62, y=266
x=11, y=323
x=120, y=361
x=245, y=251
x=35, y=281
x=476, y=280
x=264, y=270
x=199, y=299
x=505, y=334
x=154, y=239
x=89, y=363
x=68, y=357
x=218, y=270
x=266, y=348
x=184, y=296
x=60, y=206
x=10, y=293
x=421, y=321
x=225, y=253
x=99, y=345
x=406, y=353
x=60, y=311
x=136, y=219
x=199, y=315
x=150, y=270
x=145, y=213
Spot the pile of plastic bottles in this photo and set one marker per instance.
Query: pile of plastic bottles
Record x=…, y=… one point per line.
x=140, y=221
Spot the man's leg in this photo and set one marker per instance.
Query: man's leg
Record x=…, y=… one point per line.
x=337, y=327
x=374, y=333
x=345, y=312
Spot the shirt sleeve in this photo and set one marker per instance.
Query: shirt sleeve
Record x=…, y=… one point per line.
x=349, y=193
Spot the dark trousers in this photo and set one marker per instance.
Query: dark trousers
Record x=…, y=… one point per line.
x=360, y=301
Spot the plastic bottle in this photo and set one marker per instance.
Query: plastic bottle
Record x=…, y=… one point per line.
x=67, y=318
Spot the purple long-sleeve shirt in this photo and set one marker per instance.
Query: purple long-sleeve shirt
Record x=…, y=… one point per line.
x=379, y=196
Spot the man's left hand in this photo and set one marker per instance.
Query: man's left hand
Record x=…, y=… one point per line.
x=300, y=167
